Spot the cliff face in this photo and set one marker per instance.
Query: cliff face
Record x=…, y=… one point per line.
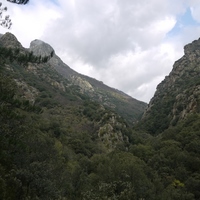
x=178, y=95
x=40, y=48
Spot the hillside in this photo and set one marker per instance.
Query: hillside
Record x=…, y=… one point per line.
x=128, y=107
x=36, y=74
x=65, y=136
x=178, y=95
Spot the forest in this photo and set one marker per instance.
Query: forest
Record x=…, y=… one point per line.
x=51, y=147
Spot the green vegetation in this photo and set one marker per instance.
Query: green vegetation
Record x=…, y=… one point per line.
x=171, y=101
x=21, y=57
x=51, y=147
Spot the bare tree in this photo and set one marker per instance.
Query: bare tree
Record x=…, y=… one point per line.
x=5, y=21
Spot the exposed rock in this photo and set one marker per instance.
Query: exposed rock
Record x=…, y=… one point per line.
x=110, y=133
x=58, y=85
x=178, y=95
x=193, y=47
x=34, y=68
x=8, y=40
x=83, y=84
x=128, y=107
x=28, y=92
x=40, y=48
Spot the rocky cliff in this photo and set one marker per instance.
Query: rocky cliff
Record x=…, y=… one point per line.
x=178, y=95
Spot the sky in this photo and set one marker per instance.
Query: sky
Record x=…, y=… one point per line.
x=130, y=45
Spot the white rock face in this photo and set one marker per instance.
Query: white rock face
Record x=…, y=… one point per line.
x=40, y=48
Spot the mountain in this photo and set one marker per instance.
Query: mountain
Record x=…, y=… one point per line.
x=52, y=120
x=64, y=135
x=46, y=83
x=178, y=95
x=128, y=107
x=173, y=119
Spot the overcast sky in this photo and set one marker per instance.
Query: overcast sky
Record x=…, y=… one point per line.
x=130, y=45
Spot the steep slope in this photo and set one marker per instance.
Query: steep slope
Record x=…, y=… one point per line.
x=53, y=139
x=55, y=143
x=128, y=107
x=178, y=95
x=9, y=41
x=41, y=87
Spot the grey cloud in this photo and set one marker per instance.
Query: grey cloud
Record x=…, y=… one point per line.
x=97, y=30
x=103, y=33
x=118, y=42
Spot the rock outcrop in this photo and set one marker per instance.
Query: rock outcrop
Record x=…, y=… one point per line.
x=128, y=107
x=40, y=48
x=111, y=133
x=27, y=92
x=41, y=52
x=178, y=95
x=8, y=40
x=83, y=84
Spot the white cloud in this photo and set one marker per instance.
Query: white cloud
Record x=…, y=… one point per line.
x=196, y=12
x=31, y=20
x=125, y=44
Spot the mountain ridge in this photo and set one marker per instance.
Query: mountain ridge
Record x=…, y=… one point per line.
x=57, y=142
x=41, y=88
x=177, y=96
x=128, y=107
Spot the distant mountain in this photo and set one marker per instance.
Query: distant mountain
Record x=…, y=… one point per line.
x=178, y=95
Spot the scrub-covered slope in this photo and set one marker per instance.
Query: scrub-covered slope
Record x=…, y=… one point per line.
x=178, y=95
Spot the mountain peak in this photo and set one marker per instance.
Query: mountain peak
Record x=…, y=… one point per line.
x=40, y=48
x=8, y=40
x=192, y=47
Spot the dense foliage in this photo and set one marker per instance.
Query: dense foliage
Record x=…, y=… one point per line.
x=176, y=97
x=50, y=147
